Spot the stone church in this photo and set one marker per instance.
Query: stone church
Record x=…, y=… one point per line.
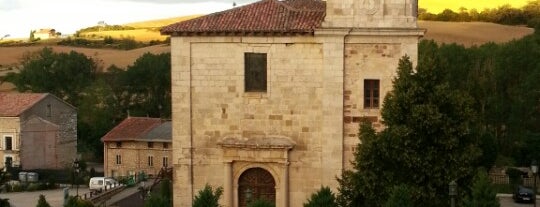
x=267, y=97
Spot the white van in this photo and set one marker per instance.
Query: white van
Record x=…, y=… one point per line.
x=101, y=183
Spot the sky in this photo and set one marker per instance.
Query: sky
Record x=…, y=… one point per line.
x=19, y=17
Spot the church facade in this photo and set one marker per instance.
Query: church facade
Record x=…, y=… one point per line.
x=267, y=97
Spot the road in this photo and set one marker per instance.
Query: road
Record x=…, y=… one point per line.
x=506, y=201
x=28, y=199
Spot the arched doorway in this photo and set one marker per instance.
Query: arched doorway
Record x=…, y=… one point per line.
x=254, y=184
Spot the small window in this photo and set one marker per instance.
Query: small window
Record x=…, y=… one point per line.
x=8, y=143
x=165, y=161
x=255, y=72
x=371, y=93
x=118, y=159
x=118, y=144
x=150, y=145
x=165, y=145
x=49, y=111
x=150, y=161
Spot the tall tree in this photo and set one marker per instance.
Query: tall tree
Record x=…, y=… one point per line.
x=65, y=75
x=429, y=140
x=147, y=86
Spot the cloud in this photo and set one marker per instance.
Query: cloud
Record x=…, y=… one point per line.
x=6, y=5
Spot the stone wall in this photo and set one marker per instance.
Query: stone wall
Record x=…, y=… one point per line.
x=54, y=111
x=135, y=158
x=10, y=126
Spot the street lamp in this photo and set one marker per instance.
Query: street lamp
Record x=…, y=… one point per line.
x=76, y=167
x=534, y=169
x=452, y=191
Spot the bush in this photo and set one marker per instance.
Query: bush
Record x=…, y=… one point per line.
x=515, y=176
x=33, y=187
x=42, y=202
x=483, y=194
x=76, y=202
x=207, y=197
x=322, y=198
x=4, y=202
x=261, y=203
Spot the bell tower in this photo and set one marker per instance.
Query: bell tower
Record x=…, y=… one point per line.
x=371, y=13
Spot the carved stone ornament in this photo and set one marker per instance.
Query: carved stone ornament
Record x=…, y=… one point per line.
x=369, y=6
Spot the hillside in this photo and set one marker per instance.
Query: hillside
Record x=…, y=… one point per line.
x=472, y=33
x=465, y=33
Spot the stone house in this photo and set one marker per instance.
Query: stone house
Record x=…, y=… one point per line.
x=44, y=34
x=37, y=131
x=137, y=144
x=267, y=98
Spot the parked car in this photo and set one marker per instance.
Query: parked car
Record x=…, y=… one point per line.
x=101, y=183
x=523, y=195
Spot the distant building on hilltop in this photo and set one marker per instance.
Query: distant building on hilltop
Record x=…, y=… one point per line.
x=45, y=34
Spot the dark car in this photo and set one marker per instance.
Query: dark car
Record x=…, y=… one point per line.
x=523, y=195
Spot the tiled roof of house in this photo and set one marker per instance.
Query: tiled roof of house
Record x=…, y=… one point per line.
x=163, y=132
x=14, y=104
x=265, y=16
x=132, y=128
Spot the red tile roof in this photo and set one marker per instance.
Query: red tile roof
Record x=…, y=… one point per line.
x=14, y=104
x=265, y=16
x=132, y=128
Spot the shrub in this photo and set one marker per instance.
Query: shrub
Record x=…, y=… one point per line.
x=261, y=203
x=4, y=202
x=207, y=197
x=322, y=198
x=42, y=202
x=76, y=202
x=515, y=176
x=483, y=194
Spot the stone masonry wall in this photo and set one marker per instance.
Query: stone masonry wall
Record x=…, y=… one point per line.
x=135, y=158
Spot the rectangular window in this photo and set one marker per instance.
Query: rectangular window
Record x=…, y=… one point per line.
x=118, y=144
x=49, y=111
x=118, y=159
x=255, y=75
x=150, y=161
x=150, y=145
x=165, y=145
x=8, y=143
x=165, y=161
x=371, y=93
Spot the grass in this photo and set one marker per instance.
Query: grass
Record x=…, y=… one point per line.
x=145, y=31
x=143, y=35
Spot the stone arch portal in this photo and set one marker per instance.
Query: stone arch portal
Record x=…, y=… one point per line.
x=256, y=183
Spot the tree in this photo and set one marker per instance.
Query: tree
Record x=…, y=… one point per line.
x=65, y=75
x=42, y=202
x=208, y=197
x=145, y=87
x=163, y=199
x=430, y=139
x=322, y=198
x=483, y=194
x=400, y=197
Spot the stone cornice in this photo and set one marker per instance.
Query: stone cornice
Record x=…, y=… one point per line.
x=257, y=142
